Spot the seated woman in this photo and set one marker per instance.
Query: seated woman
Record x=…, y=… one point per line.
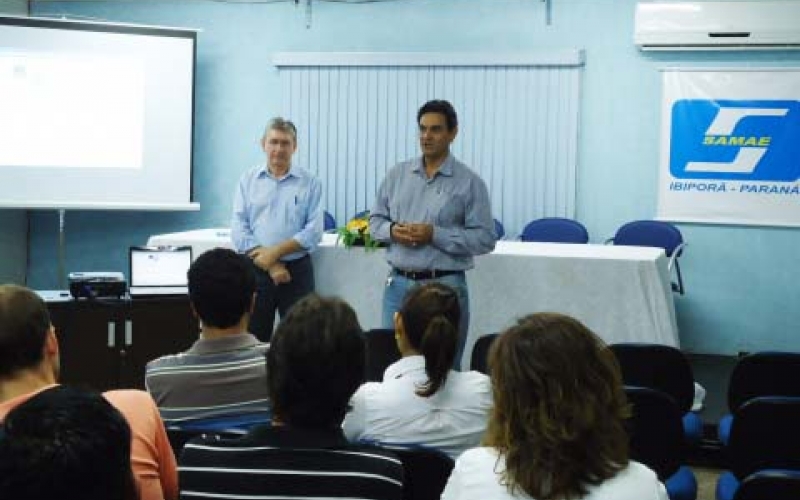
x=421, y=401
x=556, y=431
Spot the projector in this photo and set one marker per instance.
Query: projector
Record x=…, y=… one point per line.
x=93, y=285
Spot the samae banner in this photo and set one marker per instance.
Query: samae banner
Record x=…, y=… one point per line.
x=730, y=147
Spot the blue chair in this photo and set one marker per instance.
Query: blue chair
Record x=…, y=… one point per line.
x=232, y=424
x=768, y=373
x=499, y=229
x=555, y=230
x=770, y=484
x=653, y=233
x=329, y=222
x=666, y=369
x=656, y=440
x=764, y=436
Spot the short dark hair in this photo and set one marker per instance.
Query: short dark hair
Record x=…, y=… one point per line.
x=69, y=444
x=281, y=125
x=221, y=287
x=315, y=363
x=431, y=317
x=559, y=408
x=442, y=107
x=24, y=323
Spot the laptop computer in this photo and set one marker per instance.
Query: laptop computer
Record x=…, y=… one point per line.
x=159, y=271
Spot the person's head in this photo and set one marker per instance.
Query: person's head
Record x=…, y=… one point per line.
x=69, y=444
x=221, y=288
x=279, y=143
x=438, y=127
x=428, y=323
x=559, y=407
x=27, y=339
x=315, y=363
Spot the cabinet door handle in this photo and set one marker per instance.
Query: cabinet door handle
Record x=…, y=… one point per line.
x=112, y=333
x=128, y=332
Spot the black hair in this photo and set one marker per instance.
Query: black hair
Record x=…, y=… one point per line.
x=24, y=323
x=431, y=315
x=221, y=287
x=68, y=444
x=315, y=363
x=442, y=107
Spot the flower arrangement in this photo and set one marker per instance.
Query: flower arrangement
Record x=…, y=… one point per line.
x=356, y=233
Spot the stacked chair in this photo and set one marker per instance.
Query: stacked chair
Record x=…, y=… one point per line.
x=760, y=437
x=664, y=369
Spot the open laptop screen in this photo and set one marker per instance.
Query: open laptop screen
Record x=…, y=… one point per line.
x=159, y=269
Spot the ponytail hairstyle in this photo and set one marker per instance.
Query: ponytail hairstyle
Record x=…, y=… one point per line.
x=431, y=316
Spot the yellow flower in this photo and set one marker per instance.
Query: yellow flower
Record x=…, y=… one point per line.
x=358, y=225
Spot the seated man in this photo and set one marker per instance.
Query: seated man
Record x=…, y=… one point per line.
x=220, y=382
x=29, y=364
x=316, y=362
x=67, y=444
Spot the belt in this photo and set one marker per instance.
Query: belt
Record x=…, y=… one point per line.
x=425, y=275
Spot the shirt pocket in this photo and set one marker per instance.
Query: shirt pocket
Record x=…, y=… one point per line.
x=452, y=209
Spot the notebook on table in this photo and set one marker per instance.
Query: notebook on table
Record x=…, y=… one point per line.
x=159, y=271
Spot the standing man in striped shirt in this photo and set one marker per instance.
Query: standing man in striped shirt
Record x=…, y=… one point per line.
x=316, y=363
x=221, y=379
x=435, y=213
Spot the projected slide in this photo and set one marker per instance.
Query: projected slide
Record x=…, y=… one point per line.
x=70, y=110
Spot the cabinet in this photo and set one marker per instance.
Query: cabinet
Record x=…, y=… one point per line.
x=105, y=344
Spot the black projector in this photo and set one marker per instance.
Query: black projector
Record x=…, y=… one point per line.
x=95, y=285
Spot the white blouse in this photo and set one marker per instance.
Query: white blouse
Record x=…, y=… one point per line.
x=476, y=476
x=391, y=413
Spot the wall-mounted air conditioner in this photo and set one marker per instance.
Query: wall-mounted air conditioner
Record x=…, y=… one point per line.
x=713, y=25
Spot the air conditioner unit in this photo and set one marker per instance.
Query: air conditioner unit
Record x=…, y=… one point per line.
x=713, y=25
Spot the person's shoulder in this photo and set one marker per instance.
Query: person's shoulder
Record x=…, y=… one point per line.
x=132, y=403
x=168, y=360
x=476, y=457
x=638, y=471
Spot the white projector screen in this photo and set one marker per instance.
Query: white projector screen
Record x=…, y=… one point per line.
x=95, y=116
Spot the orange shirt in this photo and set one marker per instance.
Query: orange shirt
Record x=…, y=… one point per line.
x=152, y=459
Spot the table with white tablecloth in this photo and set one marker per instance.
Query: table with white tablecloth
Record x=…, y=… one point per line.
x=622, y=293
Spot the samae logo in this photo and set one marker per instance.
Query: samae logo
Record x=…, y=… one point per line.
x=736, y=140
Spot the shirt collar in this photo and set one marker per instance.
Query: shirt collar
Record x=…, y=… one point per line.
x=404, y=366
x=233, y=342
x=445, y=169
x=285, y=436
x=293, y=172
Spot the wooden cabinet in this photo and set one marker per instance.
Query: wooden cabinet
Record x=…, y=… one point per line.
x=105, y=344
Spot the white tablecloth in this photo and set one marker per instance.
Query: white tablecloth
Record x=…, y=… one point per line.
x=622, y=293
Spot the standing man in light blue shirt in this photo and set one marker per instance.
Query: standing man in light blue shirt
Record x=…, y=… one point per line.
x=436, y=216
x=277, y=222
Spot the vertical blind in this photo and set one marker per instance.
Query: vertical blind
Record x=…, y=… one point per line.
x=518, y=123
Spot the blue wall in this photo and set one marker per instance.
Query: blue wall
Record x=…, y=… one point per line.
x=742, y=286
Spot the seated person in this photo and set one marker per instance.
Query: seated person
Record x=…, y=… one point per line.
x=66, y=444
x=220, y=382
x=421, y=401
x=557, y=428
x=29, y=364
x=315, y=364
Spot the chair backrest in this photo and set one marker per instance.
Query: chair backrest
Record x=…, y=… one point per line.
x=656, y=431
x=329, y=222
x=658, y=367
x=773, y=484
x=764, y=374
x=765, y=434
x=479, y=360
x=499, y=229
x=426, y=472
x=361, y=214
x=649, y=233
x=381, y=352
x=555, y=230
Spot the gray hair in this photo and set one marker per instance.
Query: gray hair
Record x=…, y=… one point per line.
x=281, y=125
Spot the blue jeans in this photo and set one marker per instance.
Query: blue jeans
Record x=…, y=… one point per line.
x=395, y=291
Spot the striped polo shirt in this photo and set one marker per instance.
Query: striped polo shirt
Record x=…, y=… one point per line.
x=218, y=377
x=288, y=463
